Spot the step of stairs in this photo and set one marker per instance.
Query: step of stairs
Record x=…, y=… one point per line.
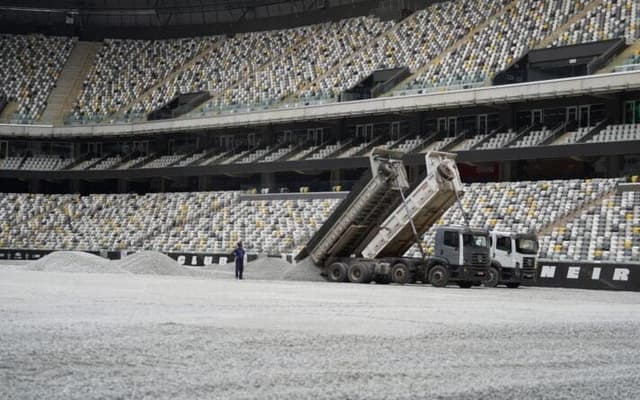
x=70, y=82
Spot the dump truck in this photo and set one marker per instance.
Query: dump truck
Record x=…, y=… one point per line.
x=367, y=235
x=513, y=259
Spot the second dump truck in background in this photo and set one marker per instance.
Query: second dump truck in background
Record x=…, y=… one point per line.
x=513, y=259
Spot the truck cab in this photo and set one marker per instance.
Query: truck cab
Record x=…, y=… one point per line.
x=513, y=259
x=461, y=255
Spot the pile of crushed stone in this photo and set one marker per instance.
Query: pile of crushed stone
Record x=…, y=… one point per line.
x=152, y=263
x=273, y=268
x=146, y=262
x=73, y=261
x=304, y=270
x=265, y=268
x=262, y=268
x=156, y=263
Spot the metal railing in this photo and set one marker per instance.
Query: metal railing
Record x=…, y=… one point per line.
x=627, y=67
x=447, y=86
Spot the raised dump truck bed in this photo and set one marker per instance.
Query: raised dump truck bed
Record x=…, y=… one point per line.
x=368, y=204
x=424, y=206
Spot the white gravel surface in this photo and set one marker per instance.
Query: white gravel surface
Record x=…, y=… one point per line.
x=125, y=336
x=156, y=263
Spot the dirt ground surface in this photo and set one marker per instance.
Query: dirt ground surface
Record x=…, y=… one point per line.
x=91, y=335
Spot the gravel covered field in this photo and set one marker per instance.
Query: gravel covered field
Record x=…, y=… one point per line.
x=126, y=336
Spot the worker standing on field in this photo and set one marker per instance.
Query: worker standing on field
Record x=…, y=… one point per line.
x=238, y=253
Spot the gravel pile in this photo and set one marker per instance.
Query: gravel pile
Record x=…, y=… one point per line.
x=73, y=261
x=152, y=263
x=274, y=269
x=266, y=268
x=305, y=270
x=156, y=263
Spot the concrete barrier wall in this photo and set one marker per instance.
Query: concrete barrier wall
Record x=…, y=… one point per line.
x=581, y=275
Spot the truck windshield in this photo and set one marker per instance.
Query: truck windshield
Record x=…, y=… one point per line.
x=527, y=246
x=475, y=240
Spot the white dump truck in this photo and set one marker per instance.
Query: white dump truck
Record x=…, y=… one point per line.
x=383, y=216
x=513, y=259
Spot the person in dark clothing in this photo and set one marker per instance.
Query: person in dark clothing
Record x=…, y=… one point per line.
x=238, y=253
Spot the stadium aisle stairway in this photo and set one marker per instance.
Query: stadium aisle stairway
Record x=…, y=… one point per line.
x=73, y=72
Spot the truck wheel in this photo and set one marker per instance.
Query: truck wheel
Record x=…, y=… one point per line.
x=400, y=274
x=359, y=273
x=513, y=285
x=337, y=272
x=493, y=276
x=465, y=284
x=438, y=276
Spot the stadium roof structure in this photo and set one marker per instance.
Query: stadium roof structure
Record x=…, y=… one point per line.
x=255, y=8
x=97, y=18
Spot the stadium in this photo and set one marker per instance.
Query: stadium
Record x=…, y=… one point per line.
x=409, y=144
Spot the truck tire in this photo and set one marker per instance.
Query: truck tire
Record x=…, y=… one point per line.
x=337, y=272
x=400, y=274
x=438, y=276
x=493, y=277
x=513, y=285
x=465, y=284
x=359, y=273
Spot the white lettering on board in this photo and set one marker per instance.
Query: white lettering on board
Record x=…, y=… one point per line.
x=573, y=272
x=621, y=274
x=548, y=271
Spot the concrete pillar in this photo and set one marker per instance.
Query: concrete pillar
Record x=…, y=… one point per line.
x=123, y=186
x=335, y=178
x=267, y=136
x=416, y=124
x=339, y=131
x=613, y=166
x=35, y=186
x=505, y=170
x=614, y=109
x=506, y=117
x=75, y=186
x=268, y=181
x=203, y=183
x=162, y=143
